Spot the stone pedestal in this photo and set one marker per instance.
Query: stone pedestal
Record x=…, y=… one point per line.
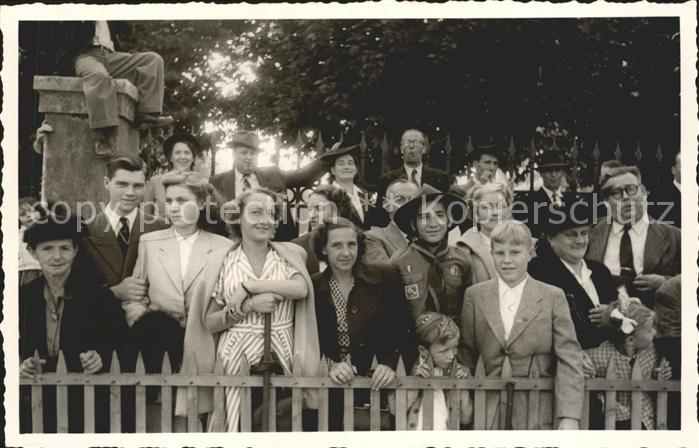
x=72, y=173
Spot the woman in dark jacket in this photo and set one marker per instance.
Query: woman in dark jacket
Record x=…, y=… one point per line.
x=588, y=285
x=60, y=312
x=361, y=312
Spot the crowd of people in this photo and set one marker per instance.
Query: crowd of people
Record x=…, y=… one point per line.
x=192, y=272
x=441, y=276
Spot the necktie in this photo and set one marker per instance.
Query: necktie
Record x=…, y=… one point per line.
x=124, y=235
x=557, y=196
x=435, y=278
x=413, y=178
x=246, y=182
x=626, y=251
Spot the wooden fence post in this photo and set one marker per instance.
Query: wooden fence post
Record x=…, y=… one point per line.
x=323, y=401
x=610, y=399
x=115, y=397
x=479, y=399
x=375, y=404
x=166, y=397
x=534, y=400
x=636, y=396
x=218, y=417
x=61, y=396
x=140, y=396
x=401, y=398
x=245, y=397
x=193, y=423
x=37, y=399
x=505, y=401
x=296, y=397
x=454, y=405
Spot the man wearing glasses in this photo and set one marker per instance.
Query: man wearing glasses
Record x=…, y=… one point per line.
x=640, y=253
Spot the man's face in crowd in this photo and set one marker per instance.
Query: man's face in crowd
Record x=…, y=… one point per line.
x=486, y=167
x=412, y=147
x=432, y=222
x=552, y=178
x=627, y=208
x=511, y=261
x=318, y=209
x=126, y=189
x=398, y=194
x=245, y=159
x=676, y=171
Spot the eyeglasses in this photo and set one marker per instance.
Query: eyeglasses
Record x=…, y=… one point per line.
x=414, y=142
x=618, y=193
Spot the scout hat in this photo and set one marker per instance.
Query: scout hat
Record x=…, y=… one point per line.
x=188, y=139
x=406, y=214
x=551, y=160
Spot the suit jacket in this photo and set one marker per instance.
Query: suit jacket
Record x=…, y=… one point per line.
x=182, y=296
x=311, y=260
x=379, y=322
x=543, y=335
x=536, y=202
x=100, y=254
x=666, y=205
x=549, y=268
x=482, y=265
x=661, y=254
x=383, y=242
x=77, y=38
x=278, y=181
x=433, y=176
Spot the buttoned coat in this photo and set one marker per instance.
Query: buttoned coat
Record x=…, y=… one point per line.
x=379, y=322
x=159, y=264
x=278, y=181
x=548, y=268
x=661, y=254
x=100, y=255
x=542, y=335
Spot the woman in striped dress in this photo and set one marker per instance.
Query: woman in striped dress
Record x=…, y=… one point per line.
x=258, y=277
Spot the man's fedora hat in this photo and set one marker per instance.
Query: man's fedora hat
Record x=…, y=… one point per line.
x=246, y=139
x=406, y=214
x=188, y=139
x=557, y=218
x=552, y=159
x=336, y=151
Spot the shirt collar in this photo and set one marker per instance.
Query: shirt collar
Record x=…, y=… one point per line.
x=517, y=289
x=350, y=193
x=551, y=194
x=114, y=218
x=239, y=176
x=639, y=227
x=409, y=169
x=585, y=272
x=677, y=185
x=187, y=239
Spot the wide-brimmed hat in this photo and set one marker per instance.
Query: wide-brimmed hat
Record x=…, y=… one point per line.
x=246, y=139
x=557, y=218
x=492, y=149
x=551, y=160
x=407, y=213
x=190, y=140
x=331, y=155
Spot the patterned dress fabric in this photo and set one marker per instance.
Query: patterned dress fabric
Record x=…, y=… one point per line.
x=341, y=311
x=247, y=337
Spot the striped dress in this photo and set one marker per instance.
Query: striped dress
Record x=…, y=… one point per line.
x=247, y=337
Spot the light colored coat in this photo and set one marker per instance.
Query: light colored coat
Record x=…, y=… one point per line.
x=159, y=263
x=383, y=242
x=542, y=334
x=482, y=265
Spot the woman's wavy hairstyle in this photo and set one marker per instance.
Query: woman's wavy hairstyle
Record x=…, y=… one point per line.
x=342, y=201
x=319, y=237
x=234, y=209
x=205, y=193
x=431, y=327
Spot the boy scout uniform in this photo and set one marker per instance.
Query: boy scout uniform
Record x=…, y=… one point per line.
x=451, y=276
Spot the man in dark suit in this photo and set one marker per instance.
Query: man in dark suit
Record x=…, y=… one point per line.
x=109, y=253
x=640, y=253
x=665, y=204
x=383, y=242
x=91, y=50
x=246, y=174
x=413, y=148
x=588, y=285
x=552, y=166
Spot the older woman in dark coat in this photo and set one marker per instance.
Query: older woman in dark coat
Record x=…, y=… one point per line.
x=60, y=312
x=588, y=285
x=361, y=312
